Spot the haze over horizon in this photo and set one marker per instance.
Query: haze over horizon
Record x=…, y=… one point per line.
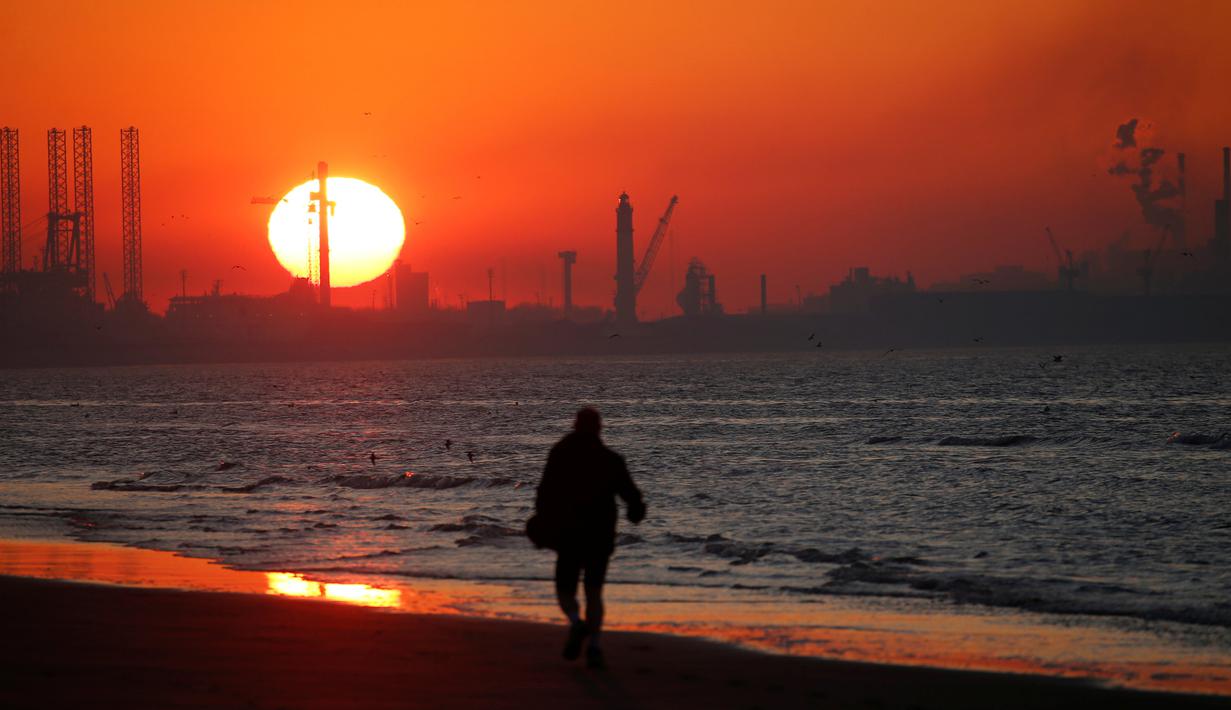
x=794, y=149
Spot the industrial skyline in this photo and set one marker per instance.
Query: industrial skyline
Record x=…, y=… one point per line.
x=801, y=154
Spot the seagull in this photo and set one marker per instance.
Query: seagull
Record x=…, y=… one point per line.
x=372, y=456
x=810, y=337
x=367, y=113
x=890, y=350
x=940, y=300
x=1186, y=253
x=470, y=455
x=978, y=340
x=818, y=343
x=237, y=266
x=1057, y=358
x=613, y=335
x=448, y=444
x=457, y=197
x=980, y=282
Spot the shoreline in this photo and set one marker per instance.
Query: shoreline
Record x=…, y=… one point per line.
x=88, y=644
x=126, y=571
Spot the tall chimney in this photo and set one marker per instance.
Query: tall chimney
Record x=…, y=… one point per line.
x=1181, y=229
x=323, y=205
x=1226, y=175
x=1180, y=163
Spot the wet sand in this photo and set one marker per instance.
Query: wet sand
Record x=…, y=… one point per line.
x=81, y=645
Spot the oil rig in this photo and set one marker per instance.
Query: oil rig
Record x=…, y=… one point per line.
x=59, y=287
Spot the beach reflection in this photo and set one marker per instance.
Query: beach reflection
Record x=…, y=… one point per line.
x=289, y=584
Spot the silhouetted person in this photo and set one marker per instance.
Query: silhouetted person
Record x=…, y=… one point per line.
x=577, y=496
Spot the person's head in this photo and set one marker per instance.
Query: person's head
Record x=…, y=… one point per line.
x=588, y=421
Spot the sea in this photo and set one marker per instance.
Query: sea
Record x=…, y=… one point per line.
x=1064, y=510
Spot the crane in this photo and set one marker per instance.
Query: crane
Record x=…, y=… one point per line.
x=1065, y=269
x=110, y=293
x=651, y=249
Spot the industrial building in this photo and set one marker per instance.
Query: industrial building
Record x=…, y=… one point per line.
x=411, y=289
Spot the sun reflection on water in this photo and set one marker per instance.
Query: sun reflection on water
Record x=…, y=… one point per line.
x=288, y=584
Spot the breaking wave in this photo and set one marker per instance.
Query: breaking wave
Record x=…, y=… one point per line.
x=1011, y=440
x=419, y=480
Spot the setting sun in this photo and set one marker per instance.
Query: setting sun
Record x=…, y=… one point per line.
x=366, y=231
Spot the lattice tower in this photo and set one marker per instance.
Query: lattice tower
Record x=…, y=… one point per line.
x=83, y=201
x=130, y=209
x=10, y=200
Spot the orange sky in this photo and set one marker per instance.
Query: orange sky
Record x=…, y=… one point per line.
x=801, y=138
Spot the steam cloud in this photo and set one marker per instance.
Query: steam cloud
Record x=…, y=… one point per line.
x=1154, y=200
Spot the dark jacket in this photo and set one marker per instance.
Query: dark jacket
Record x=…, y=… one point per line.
x=577, y=494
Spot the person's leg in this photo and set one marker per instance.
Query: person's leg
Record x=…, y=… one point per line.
x=596, y=576
x=568, y=569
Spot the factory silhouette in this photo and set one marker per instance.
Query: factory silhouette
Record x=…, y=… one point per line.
x=51, y=312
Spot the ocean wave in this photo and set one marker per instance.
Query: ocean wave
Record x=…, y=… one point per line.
x=1009, y=440
x=418, y=480
x=141, y=485
x=888, y=578
x=267, y=481
x=480, y=526
x=137, y=486
x=742, y=553
x=1221, y=441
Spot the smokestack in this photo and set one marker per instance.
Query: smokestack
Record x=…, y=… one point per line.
x=626, y=289
x=764, y=305
x=1180, y=161
x=323, y=205
x=1226, y=175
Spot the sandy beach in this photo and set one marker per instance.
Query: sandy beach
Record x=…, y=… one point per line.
x=82, y=645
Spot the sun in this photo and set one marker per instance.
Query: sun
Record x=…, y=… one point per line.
x=366, y=232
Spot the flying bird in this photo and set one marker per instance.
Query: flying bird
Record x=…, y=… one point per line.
x=810, y=337
x=978, y=340
x=237, y=266
x=1057, y=358
x=613, y=335
x=457, y=197
x=890, y=350
x=818, y=343
x=1186, y=253
x=980, y=282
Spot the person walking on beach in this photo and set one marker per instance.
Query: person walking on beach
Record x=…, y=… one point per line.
x=575, y=515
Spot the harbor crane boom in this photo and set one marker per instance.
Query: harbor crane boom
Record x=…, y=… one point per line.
x=651, y=249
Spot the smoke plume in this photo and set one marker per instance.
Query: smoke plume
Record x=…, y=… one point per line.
x=1155, y=199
